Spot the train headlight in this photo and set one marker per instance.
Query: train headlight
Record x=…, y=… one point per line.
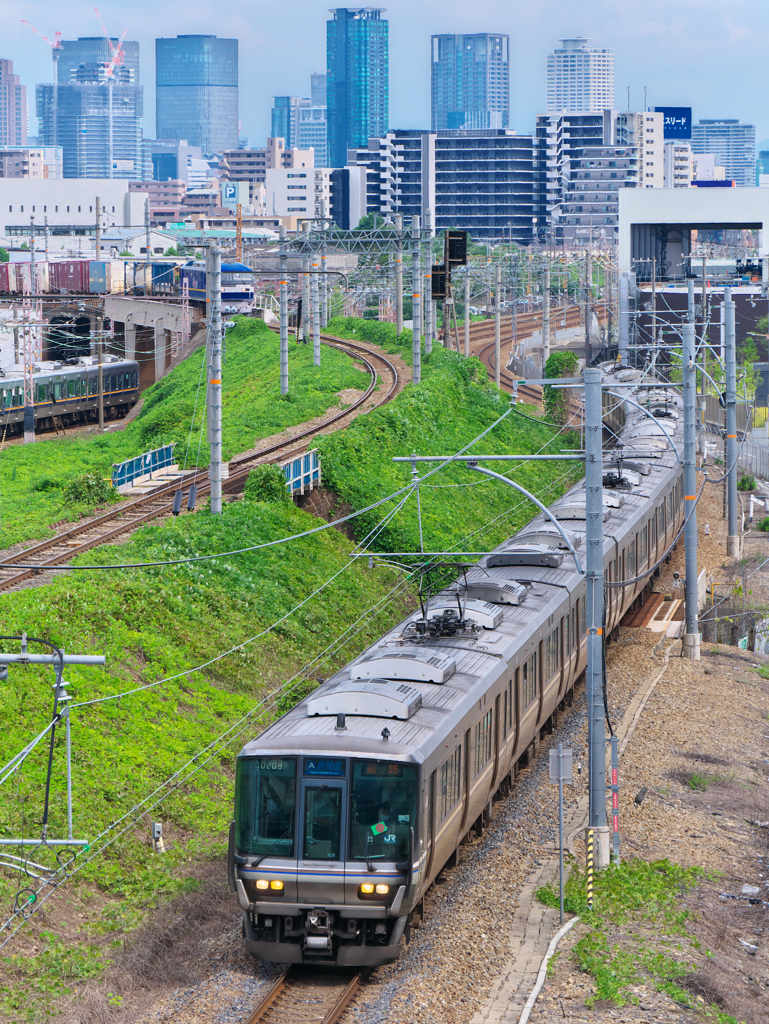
x=370, y=891
x=262, y=883
x=276, y=886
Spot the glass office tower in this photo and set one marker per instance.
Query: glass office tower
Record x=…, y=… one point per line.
x=196, y=80
x=356, y=79
x=470, y=81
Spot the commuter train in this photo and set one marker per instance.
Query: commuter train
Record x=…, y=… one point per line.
x=70, y=392
x=348, y=806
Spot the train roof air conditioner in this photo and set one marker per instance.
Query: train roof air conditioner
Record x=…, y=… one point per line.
x=547, y=534
x=375, y=699
x=496, y=591
x=419, y=666
x=574, y=509
x=526, y=554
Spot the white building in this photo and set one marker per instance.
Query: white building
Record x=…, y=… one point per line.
x=68, y=206
x=645, y=131
x=579, y=78
x=706, y=167
x=298, y=191
x=679, y=164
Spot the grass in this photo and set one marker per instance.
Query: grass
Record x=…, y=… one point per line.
x=34, y=478
x=155, y=622
x=638, y=933
x=700, y=780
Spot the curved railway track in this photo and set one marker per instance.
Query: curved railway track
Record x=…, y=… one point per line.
x=126, y=517
x=307, y=996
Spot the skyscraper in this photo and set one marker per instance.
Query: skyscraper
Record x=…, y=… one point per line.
x=196, y=80
x=734, y=145
x=13, y=107
x=470, y=81
x=357, y=79
x=97, y=118
x=302, y=123
x=579, y=78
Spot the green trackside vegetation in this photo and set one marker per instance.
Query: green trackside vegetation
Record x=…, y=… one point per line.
x=155, y=622
x=638, y=931
x=34, y=478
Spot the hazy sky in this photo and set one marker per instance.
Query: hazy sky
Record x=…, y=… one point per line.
x=705, y=53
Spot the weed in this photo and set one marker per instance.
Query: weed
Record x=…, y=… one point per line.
x=746, y=483
x=700, y=780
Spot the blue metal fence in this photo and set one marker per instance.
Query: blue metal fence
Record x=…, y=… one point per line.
x=143, y=465
x=302, y=473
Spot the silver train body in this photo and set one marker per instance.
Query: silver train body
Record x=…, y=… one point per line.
x=349, y=805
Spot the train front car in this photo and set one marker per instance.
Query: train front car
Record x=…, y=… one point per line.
x=237, y=288
x=323, y=841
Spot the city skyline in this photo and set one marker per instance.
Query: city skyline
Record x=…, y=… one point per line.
x=648, y=49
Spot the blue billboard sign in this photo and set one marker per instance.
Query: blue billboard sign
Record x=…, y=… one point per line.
x=676, y=122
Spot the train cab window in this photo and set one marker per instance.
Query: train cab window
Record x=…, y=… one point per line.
x=265, y=798
x=530, y=680
x=482, y=748
x=322, y=822
x=384, y=793
x=552, y=654
x=449, y=783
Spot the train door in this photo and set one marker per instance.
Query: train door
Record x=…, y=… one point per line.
x=322, y=840
x=428, y=810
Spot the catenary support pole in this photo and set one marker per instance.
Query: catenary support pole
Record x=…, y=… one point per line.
x=315, y=310
x=428, y=288
x=624, y=316
x=215, y=377
x=467, y=311
x=733, y=539
x=594, y=608
x=497, y=325
x=399, y=274
x=100, y=369
x=691, y=640
x=416, y=296
x=283, y=311
x=588, y=273
x=98, y=230
x=546, y=318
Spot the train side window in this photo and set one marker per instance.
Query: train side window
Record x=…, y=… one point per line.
x=70, y=388
x=449, y=783
x=510, y=703
x=552, y=660
x=57, y=391
x=583, y=617
x=482, y=748
x=566, y=634
x=41, y=392
x=643, y=535
x=133, y=379
x=504, y=714
x=530, y=680
x=630, y=560
x=93, y=385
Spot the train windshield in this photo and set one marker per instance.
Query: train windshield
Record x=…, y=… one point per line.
x=384, y=807
x=265, y=795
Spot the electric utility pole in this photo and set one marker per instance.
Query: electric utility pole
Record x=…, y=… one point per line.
x=467, y=311
x=416, y=284
x=733, y=540
x=214, y=276
x=497, y=324
x=315, y=311
x=428, y=289
x=596, y=734
x=691, y=640
x=546, y=318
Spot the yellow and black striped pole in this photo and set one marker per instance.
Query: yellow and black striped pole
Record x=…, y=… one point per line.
x=590, y=868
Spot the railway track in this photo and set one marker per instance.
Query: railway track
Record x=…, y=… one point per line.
x=307, y=996
x=124, y=518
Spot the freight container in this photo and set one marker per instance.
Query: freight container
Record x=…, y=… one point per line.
x=5, y=288
x=70, y=277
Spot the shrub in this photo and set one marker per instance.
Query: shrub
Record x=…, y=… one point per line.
x=266, y=483
x=556, y=400
x=90, y=488
x=45, y=483
x=746, y=483
x=763, y=524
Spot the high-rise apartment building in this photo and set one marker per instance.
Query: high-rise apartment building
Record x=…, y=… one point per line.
x=13, y=107
x=95, y=119
x=357, y=79
x=470, y=81
x=734, y=145
x=196, y=80
x=580, y=79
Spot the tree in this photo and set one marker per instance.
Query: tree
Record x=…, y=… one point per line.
x=4, y=257
x=370, y=222
x=171, y=252
x=24, y=246
x=125, y=252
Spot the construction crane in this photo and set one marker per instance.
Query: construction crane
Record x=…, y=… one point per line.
x=239, y=233
x=118, y=57
x=55, y=47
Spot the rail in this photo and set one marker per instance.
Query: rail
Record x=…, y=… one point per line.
x=303, y=994
x=128, y=516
